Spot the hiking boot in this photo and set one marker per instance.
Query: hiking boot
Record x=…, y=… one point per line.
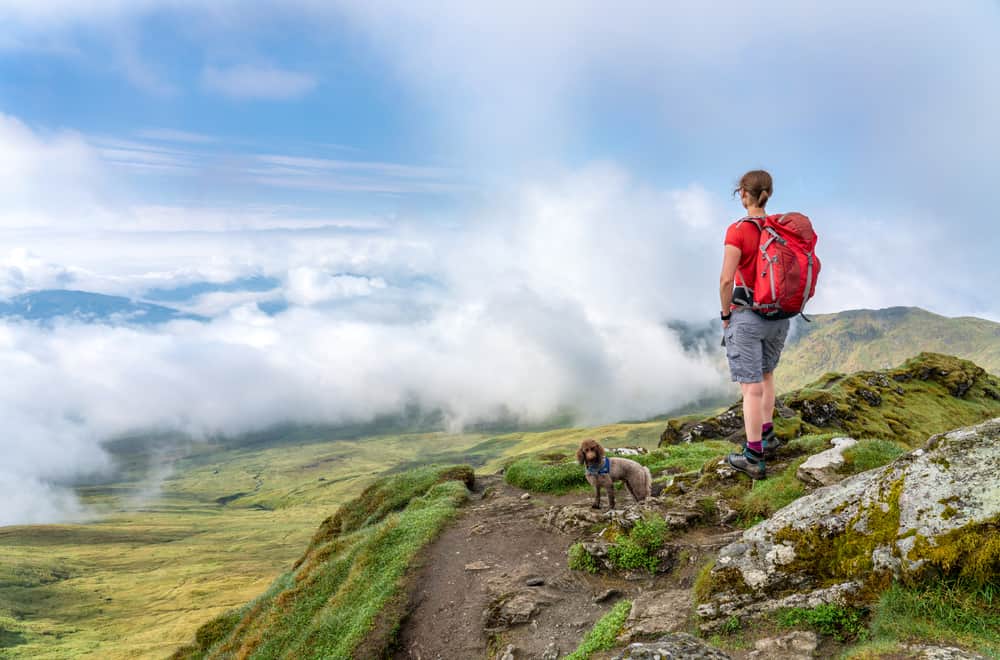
x=771, y=444
x=749, y=463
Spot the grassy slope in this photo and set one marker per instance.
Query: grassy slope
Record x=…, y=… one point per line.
x=328, y=604
x=140, y=579
x=877, y=339
x=928, y=394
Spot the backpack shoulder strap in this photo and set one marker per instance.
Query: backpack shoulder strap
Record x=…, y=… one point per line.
x=760, y=227
x=756, y=224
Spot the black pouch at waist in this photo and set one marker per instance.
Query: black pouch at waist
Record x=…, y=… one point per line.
x=743, y=296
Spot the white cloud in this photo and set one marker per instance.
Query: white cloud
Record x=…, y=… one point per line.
x=47, y=178
x=555, y=300
x=309, y=286
x=257, y=82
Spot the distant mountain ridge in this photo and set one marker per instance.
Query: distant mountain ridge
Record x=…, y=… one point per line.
x=50, y=304
x=863, y=339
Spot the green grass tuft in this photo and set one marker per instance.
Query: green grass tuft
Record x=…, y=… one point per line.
x=841, y=623
x=684, y=458
x=537, y=476
x=870, y=454
x=580, y=559
x=771, y=494
x=702, y=588
x=810, y=444
x=949, y=613
x=604, y=633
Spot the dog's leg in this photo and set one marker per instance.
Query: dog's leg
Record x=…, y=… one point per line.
x=611, y=495
x=628, y=484
x=597, y=497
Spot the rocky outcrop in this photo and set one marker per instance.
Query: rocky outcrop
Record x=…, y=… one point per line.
x=930, y=652
x=890, y=404
x=935, y=510
x=798, y=645
x=823, y=469
x=573, y=518
x=657, y=612
x=726, y=426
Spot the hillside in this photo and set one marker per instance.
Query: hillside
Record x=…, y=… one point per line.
x=928, y=394
x=470, y=592
x=877, y=339
x=188, y=532
x=83, y=306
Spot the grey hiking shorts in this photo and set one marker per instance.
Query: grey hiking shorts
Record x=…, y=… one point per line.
x=753, y=345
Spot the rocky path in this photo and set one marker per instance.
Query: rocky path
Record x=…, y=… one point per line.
x=497, y=579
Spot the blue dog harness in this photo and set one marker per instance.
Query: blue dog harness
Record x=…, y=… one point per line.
x=604, y=469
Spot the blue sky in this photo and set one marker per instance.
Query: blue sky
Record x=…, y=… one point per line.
x=480, y=207
x=838, y=101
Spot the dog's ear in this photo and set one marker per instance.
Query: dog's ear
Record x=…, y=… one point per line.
x=600, y=451
x=580, y=458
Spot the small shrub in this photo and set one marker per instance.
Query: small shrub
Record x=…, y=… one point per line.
x=604, y=633
x=842, y=623
x=628, y=555
x=580, y=559
x=639, y=549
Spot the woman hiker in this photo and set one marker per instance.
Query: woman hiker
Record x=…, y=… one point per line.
x=753, y=344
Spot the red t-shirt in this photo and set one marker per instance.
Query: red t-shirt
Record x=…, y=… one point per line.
x=746, y=237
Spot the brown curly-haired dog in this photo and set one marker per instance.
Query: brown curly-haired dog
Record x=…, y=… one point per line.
x=603, y=471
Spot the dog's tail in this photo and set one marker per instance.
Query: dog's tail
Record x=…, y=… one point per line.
x=647, y=482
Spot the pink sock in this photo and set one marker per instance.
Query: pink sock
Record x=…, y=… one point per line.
x=756, y=446
x=767, y=427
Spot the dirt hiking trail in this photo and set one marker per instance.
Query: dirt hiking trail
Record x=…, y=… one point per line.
x=498, y=578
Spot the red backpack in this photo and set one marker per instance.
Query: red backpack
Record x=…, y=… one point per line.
x=787, y=269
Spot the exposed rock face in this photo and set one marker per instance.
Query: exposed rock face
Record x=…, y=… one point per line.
x=936, y=508
x=727, y=426
x=798, y=645
x=925, y=652
x=657, y=612
x=822, y=469
x=678, y=646
x=573, y=518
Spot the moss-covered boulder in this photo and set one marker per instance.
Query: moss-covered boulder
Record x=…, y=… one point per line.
x=932, y=513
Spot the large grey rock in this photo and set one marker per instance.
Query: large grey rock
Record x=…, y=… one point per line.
x=678, y=646
x=929, y=652
x=823, y=469
x=798, y=645
x=573, y=518
x=657, y=612
x=842, y=543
